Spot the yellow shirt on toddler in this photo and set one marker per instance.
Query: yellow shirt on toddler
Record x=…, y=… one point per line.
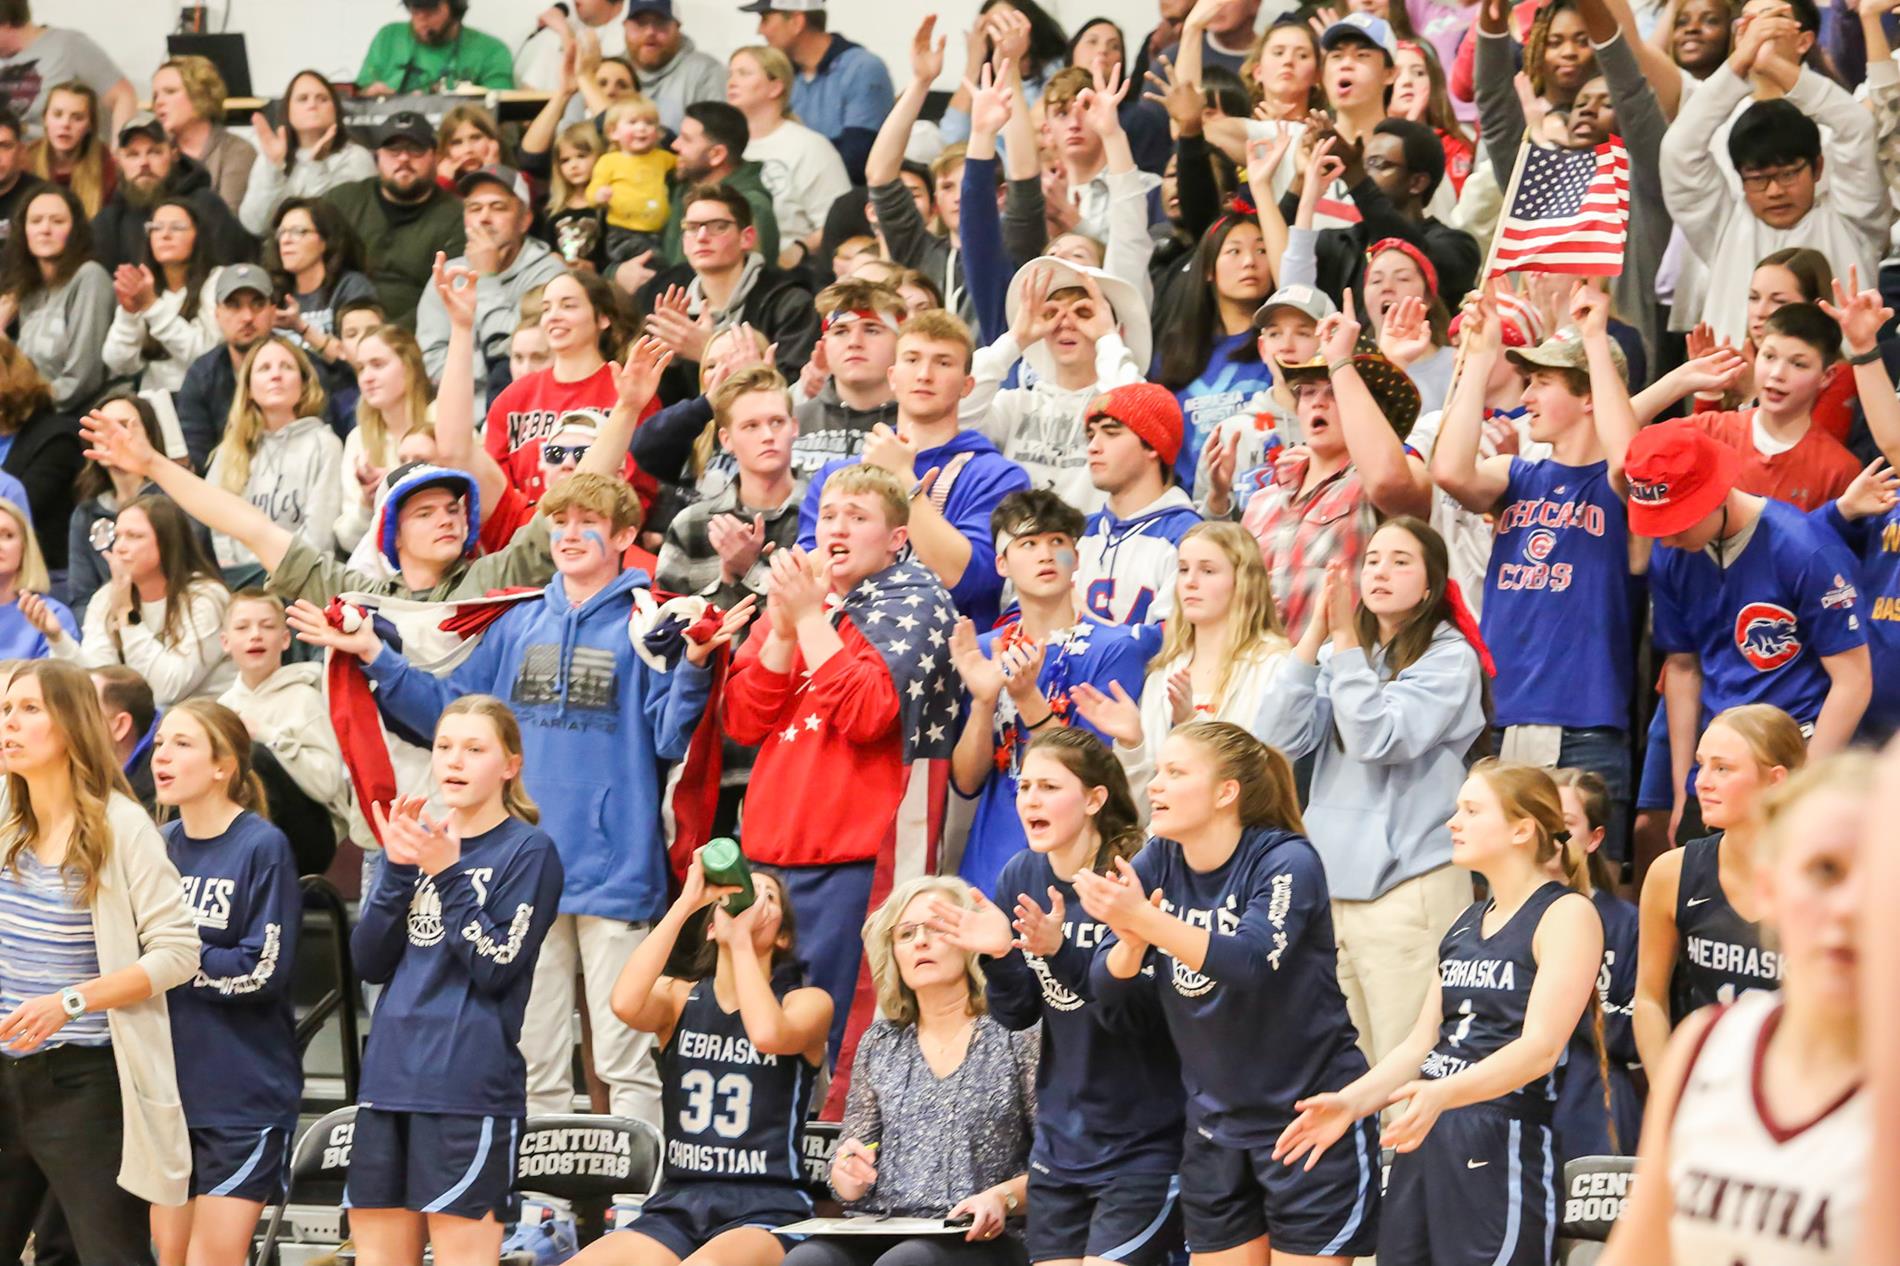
x=639, y=184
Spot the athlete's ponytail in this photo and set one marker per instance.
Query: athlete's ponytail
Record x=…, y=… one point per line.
x=1594, y=794
x=229, y=741
x=514, y=796
x=1268, y=794
x=1117, y=823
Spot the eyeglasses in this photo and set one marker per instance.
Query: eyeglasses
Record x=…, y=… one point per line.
x=1314, y=391
x=905, y=933
x=1381, y=164
x=295, y=230
x=168, y=228
x=561, y=454
x=708, y=228
x=1783, y=177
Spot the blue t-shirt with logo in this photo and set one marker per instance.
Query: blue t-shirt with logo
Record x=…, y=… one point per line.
x=1761, y=625
x=1234, y=373
x=1559, y=567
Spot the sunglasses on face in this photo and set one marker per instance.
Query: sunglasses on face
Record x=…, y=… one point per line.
x=561, y=454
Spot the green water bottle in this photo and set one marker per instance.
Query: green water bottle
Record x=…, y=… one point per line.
x=724, y=862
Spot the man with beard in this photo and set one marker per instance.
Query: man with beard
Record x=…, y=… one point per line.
x=203, y=401
x=711, y=144
x=151, y=169
x=433, y=52
x=403, y=216
x=673, y=73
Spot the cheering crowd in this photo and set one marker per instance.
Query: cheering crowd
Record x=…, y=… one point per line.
x=1289, y=613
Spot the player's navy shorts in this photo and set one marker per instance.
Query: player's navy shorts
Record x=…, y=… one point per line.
x=686, y=1216
x=433, y=1163
x=1481, y=1189
x=1133, y=1218
x=240, y=1161
x=1232, y=1196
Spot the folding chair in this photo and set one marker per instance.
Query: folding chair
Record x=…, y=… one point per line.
x=586, y=1161
x=318, y=1166
x=1595, y=1190
x=816, y=1143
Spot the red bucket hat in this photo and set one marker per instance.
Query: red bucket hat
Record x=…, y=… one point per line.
x=1678, y=476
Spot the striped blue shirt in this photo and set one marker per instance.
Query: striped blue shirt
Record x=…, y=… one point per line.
x=46, y=945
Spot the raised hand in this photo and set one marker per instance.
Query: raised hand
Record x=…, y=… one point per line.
x=413, y=838
x=637, y=379
x=1481, y=332
x=1717, y=372
x=992, y=102
x=1101, y=105
x=1860, y=313
x=1339, y=333
x=313, y=628
x=1037, y=932
x=455, y=286
x=1222, y=453
x=1021, y=665
x=1590, y=311
x=1009, y=34
x=794, y=584
x=670, y=323
x=1405, y=336
x=1032, y=322
x=117, y=444
x=1181, y=696
x=982, y=676
x=1113, y=714
x=1178, y=95
x=926, y=51
x=1115, y=899
x=1096, y=318
x=1700, y=341
x=730, y=626
x=1265, y=152
x=885, y=447
x=272, y=142
x=981, y=929
x=1872, y=492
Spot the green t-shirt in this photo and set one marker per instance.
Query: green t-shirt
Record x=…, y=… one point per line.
x=396, y=58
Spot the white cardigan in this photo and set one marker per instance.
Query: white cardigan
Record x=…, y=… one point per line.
x=139, y=919
x=184, y=340
x=1253, y=678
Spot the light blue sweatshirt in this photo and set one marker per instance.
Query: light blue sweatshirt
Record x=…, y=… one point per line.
x=1379, y=807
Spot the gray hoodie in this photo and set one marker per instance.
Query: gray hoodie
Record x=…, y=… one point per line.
x=497, y=309
x=830, y=429
x=691, y=77
x=294, y=478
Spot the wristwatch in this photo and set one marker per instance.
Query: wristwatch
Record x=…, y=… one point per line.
x=1010, y=1202
x=72, y=1002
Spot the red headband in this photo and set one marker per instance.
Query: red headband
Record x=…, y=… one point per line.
x=1411, y=252
x=843, y=315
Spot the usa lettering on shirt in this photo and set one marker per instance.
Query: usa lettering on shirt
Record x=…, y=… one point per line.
x=1749, y=1206
x=210, y=900
x=1736, y=960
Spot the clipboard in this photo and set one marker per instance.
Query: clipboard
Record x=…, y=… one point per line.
x=879, y=1225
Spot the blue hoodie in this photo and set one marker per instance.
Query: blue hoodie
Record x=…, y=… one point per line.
x=596, y=723
x=975, y=487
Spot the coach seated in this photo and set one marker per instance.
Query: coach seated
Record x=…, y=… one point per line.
x=937, y=1120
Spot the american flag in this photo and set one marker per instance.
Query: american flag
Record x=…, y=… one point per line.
x=1571, y=213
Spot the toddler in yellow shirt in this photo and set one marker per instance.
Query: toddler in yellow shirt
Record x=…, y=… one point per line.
x=630, y=179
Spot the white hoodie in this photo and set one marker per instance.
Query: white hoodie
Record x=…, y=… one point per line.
x=287, y=714
x=294, y=478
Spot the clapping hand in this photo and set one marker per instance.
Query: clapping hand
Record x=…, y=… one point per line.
x=1405, y=336
x=1114, y=714
x=412, y=838
x=730, y=626
x=889, y=449
x=671, y=324
x=982, y=676
x=1039, y=932
x=795, y=584
x=982, y=928
x=637, y=379
x=737, y=542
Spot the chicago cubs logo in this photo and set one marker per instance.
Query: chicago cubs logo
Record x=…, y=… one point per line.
x=1766, y=635
x=1539, y=544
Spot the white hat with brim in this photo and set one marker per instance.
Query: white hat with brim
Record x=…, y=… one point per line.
x=1131, y=313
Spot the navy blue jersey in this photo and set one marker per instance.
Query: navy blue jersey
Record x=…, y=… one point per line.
x=1484, y=986
x=730, y=1112
x=233, y=1029
x=1761, y=625
x=1263, y=1023
x=1582, y=1121
x=1108, y=1083
x=455, y=952
x=1721, y=953
x=1876, y=544
x=1560, y=561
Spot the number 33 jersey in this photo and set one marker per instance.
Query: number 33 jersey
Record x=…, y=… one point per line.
x=730, y=1110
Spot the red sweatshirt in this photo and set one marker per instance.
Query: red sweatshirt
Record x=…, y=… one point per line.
x=831, y=770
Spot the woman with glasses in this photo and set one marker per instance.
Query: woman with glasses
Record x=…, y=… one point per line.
x=942, y=1096
x=317, y=261
x=168, y=314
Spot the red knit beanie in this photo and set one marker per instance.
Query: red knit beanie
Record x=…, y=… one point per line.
x=1150, y=411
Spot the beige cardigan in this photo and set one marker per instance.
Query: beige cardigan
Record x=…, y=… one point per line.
x=139, y=917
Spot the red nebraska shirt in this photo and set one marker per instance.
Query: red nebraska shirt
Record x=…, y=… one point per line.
x=530, y=409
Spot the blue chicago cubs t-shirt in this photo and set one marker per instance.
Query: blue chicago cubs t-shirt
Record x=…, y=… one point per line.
x=1876, y=545
x=1761, y=625
x=1234, y=373
x=1557, y=610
